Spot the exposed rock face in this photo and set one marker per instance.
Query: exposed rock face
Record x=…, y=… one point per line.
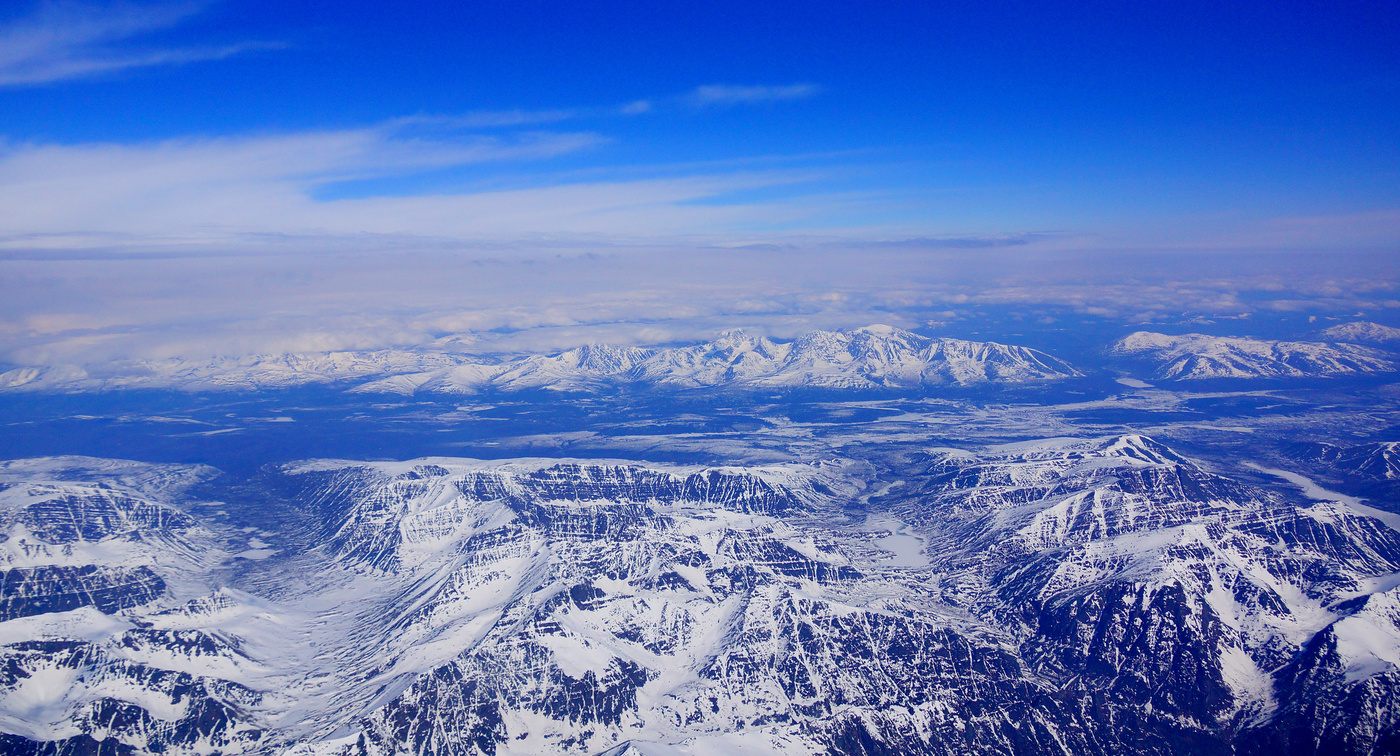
x=66, y=515
x=39, y=590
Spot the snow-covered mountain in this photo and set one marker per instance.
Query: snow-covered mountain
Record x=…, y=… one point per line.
x=1363, y=332
x=875, y=356
x=100, y=652
x=872, y=357
x=1192, y=603
x=581, y=368
x=1095, y=596
x=1194, y=356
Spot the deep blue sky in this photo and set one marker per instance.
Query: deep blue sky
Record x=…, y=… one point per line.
x=1134, y=122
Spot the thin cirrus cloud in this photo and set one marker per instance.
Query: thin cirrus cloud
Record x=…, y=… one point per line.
x=64, y=40
x=221, y=189
x=331, y=184
x=709, y=95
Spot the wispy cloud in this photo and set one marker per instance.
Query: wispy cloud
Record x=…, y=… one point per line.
x=214, y=191
x=69, y=40
x=490, y=119
x=727, y=94
x=715, y=95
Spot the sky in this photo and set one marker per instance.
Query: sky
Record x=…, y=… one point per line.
x=178, y=177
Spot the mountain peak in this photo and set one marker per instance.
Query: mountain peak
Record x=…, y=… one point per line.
x=1135, y=446
x=883, y=331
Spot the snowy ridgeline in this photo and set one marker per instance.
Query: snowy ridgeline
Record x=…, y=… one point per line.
x=872, y=357
x=875, y=357
x=1196, y=356
x=452, y=606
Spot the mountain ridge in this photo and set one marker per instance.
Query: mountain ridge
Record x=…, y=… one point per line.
x=1196, y=356
x=865, y=358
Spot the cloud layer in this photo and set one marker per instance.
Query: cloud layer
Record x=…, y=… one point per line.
x=549, y=297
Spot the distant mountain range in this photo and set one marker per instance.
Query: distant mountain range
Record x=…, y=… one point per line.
x=874, y=357
x=871, y=357
x=1198, y=356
